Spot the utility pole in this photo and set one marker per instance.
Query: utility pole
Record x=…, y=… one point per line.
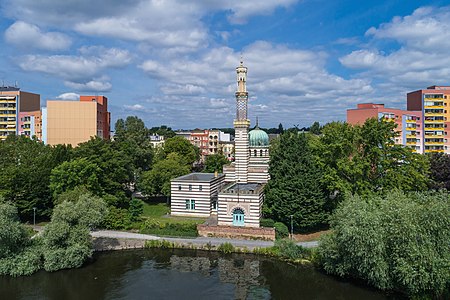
x=292, y=227
x=34, y=216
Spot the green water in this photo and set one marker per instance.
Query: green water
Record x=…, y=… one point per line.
x=183, y=274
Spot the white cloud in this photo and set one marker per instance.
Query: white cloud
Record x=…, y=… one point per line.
x=68, y=96
x=90, y=86
x=422, y=56
x=91, y=62
x=26, y=35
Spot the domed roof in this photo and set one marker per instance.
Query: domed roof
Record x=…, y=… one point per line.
x=258, y=137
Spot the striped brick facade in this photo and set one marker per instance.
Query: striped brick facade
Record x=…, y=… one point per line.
x=199, y=189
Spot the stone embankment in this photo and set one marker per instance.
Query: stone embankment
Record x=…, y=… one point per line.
x=105, y=240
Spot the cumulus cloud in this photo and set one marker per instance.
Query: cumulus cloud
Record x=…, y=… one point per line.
x=27, y=35
x=283, y=82
x=68, y=96
x=422, y=58
x=90, y=62
x=90, y=86
x=175, y=24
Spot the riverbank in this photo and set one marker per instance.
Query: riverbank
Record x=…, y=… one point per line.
x=105, y=240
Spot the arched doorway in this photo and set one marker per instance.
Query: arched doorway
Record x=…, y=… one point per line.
x=238, y=217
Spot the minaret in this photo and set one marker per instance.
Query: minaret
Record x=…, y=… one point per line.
x=241, y=125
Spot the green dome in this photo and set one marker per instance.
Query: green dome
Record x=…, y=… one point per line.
x=258, y=138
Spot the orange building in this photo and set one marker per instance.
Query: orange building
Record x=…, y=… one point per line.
x=409, y=123
x=75, y=122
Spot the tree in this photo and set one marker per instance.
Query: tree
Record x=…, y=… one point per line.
x=25, y=167
x=132, y=137
x=163, y=130
x=116, y=167
x=78, y=172
x=66, y=240
x=215, y=162
x=13, y=237
x=280, y=128
x=364, y=159
x=136, y=209
x=440, y=171
x=315, y=128
x=295, y=185
x=188, y=153
x=157, y=181
x=397, y=241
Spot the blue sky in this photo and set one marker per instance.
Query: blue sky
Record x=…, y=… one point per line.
x=173, y=61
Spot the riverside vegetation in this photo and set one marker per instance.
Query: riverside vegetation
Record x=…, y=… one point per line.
x=315, y=177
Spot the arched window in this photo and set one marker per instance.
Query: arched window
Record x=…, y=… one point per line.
x=254, y=152
x=260, y=152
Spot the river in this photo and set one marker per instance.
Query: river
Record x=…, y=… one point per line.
x=183, y=274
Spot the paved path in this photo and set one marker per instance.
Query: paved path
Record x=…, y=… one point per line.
x=195, y=241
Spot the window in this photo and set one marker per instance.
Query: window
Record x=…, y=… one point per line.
x=190, y=187
x=200, y=188
x=179, y=187
x=190, y=204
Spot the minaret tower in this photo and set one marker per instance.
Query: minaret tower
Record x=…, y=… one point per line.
x=241, y=125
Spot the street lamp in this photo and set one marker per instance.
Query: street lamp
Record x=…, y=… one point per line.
x=34, y=216
x=292, y=227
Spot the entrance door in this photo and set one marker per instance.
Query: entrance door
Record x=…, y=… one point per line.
x=238, y=217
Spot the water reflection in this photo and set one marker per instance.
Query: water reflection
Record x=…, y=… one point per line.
x=182, y=274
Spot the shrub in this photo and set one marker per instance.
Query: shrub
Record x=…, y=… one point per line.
x=159, y=244
x=288, y=249
x=267, y=223
x=226, y=248
x=281, y=230
x=169, y=229
x=397, y=242
x=136, y=209
x=117, y=218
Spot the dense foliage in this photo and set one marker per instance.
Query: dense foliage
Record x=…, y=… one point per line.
x=169, y=229
x=397, y=241
x=215, y=162
x=295, y=186
x=65, y=242
x=440, y=171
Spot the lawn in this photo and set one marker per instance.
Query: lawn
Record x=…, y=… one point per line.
x=160, y=212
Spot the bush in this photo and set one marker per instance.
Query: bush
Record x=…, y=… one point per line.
x=288, y=249
x=226, y=248
x=169, y=229
x=394, y=242
x=136, y=209
x=281, y=230
x=117, y=218
x=159, y=244
x=267, y=223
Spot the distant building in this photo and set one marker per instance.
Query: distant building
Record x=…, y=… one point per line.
x=433, y=105
x=75, y=122
x=227, y=149
x=207, y=140
x=19, y=112
x=409, y=126
x=156, y=140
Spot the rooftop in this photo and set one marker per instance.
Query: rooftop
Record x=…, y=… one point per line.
x=9, y=89
x=203, y=177
x=243, y=188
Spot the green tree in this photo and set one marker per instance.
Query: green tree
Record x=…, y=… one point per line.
x=315, y=128
x=136, y=209
x=163, y=130
x=440, y=171
x=13, y=236
x=116, y=167
x=215, y=162
x=25, y=166
x=78, y=172
x=397, y=241
x=187, y=152
x=364, y=159
x=280, y=128
x=132, y=137
x=157, y=181
x=295, y=185
x=66, y=240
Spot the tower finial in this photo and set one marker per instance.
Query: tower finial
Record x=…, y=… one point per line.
x=257, y=122
x=242, y=59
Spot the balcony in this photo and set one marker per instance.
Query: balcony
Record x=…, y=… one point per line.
x=434, y=128
x=412, y=136
x=434, y=150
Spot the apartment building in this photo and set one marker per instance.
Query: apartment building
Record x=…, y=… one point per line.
x=75, y=122
x=433, y=105
x=16, y=106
